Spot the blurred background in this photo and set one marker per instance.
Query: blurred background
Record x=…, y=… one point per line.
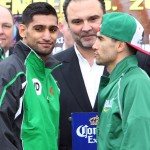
x=138, y=8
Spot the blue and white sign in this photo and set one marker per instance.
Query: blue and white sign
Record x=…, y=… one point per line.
x=84, y=130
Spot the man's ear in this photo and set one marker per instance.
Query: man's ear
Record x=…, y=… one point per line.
x=22, y=30
x=60, y=26
x=120, y=46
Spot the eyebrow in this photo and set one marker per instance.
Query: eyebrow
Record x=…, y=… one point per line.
x=51, y=26
x=7, y=23
x=88, y=18
x=94, y=16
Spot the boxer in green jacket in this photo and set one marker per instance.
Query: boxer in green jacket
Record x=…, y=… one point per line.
x=29, y=96
x=124, y=97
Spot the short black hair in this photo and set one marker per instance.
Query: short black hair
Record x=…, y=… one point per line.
x=66, y=3
x=37, y=8
x=131, y=49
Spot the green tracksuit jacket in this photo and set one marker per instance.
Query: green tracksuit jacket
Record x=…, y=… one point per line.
x=29, y=102
x=124, y=108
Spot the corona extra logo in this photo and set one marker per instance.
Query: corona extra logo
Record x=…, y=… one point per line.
x=93, y=120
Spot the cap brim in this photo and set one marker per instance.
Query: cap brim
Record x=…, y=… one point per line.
x=139, y=49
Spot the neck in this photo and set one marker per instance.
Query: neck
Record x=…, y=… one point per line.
x=88, y=54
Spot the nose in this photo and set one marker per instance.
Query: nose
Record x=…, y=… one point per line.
x=47, y=35
x=95, y=47
x=86, y=26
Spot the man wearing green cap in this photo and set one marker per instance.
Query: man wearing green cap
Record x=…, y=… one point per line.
x=124, y=113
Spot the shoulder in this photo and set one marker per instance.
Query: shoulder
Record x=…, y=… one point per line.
x=136, y=78
x=65, y=54
x=11, y=66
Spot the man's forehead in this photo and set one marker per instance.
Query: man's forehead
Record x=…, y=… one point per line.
x=88, y=8
x=101, y=35
x=5, y=15
x=48, y=19
x=98, y=34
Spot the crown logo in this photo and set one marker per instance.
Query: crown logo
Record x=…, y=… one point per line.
x=94, y=120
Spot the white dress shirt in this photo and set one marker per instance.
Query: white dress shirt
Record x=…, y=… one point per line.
x=91, y=76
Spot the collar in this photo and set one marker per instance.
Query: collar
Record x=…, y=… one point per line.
x=26, y=54
x=7, y=53
x=81, y=58
x=123, y=66
x=2, y=55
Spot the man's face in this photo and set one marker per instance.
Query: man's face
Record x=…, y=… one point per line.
x=40, y=34
x=105, y=51
x=6, y=28
x=84, y=18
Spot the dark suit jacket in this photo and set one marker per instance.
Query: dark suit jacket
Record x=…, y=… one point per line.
x=144, y=62
x=73, y=94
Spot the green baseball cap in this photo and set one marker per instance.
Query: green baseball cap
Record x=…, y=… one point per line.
x=123, y=27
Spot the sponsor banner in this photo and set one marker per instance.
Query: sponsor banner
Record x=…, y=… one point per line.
x=84, y=131
x=18, y=6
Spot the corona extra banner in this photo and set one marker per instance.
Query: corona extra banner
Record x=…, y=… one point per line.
x=138, y=8
x=84, y=131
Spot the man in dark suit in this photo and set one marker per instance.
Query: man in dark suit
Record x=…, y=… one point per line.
x=78, y=77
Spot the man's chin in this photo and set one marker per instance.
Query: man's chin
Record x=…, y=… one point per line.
x=99, y=63
x=88, y=44
x=44, y=54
